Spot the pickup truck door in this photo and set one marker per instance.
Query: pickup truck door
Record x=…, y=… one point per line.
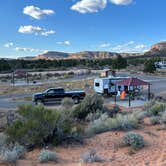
x=50, y=95
x=59, y=94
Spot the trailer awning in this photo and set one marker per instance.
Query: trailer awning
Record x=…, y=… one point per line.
x=132, y=82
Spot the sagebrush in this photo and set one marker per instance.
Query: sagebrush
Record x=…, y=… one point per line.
x=134, y=140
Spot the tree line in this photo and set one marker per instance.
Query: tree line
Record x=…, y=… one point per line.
x=63, y=64
x=11, y=65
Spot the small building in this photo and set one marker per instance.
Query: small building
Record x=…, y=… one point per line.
x=107, y=72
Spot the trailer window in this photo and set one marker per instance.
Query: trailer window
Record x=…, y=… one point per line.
x=97, y=84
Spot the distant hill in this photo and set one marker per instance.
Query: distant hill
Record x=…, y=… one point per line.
x=51, y=55
x=157, y=49
x=92, y=54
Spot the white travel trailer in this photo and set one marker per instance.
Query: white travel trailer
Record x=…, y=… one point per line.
x=106, y=85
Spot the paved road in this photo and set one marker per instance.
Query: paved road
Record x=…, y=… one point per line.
x=158, y=85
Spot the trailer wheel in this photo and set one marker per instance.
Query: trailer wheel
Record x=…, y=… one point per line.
x=106, y=92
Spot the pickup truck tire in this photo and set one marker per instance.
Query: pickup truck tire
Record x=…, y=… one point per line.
x=76, y=100
x=39, y=102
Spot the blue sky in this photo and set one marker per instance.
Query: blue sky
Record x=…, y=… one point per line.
x=31, y=27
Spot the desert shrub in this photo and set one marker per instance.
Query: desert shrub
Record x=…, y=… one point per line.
x=104, y=123
x=46, y=156
x=3, y=140
x=111, y=112
x=67, y=103
x=156, y=109
x=140, y=115
x=93, y=116
x=89, y=104
x=97, y=126
x=154, y=120
x=134, y=140
x=38, y=126
x=148, y=105
x=123, y=122
x=35, y=127
x=11, y=153
x=63, y=126
x=116, y=109
x=163, y=118
x=66, y=129
x=90, y=157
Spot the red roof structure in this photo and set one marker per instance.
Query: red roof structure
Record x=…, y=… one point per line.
x=131, y=82
x=21, y=73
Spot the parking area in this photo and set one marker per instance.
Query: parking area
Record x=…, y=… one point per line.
x=158, y=85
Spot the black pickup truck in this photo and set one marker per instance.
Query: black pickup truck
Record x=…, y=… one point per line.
x=57, y=94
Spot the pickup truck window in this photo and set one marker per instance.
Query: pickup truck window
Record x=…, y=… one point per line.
x=51, y=91
x=59, y=91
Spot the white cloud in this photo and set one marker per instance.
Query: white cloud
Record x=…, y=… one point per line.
x=8, y=45
x=89, y=6
x=66, y=42
x=140, y=46
x=121, y=2
x=36, y=12
x=46, y=33
x=104, y=45
x=24, y=49
x=29, y=29
x=129, y=47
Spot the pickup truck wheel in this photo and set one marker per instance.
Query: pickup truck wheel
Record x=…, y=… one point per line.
x=39, y=102
x=76, y=100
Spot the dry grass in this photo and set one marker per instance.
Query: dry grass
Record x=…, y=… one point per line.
x=86, y=84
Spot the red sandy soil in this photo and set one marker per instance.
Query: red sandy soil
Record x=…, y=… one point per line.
x=107, y=147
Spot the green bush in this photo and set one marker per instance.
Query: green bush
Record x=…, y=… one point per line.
x=97, y=126
x=93, y=116
x=148, y=105
x=154, y=120
x=35, y=127
x=140, y=115
x=38, y=126
x=149, y=66
x=104, y=123
x=64, y=125
x=134, y=140
x=123, y=122
x=89, y=105
x=155, y=109
x=46, y=156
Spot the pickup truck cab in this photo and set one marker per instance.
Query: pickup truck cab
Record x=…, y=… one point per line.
x=57, y=94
